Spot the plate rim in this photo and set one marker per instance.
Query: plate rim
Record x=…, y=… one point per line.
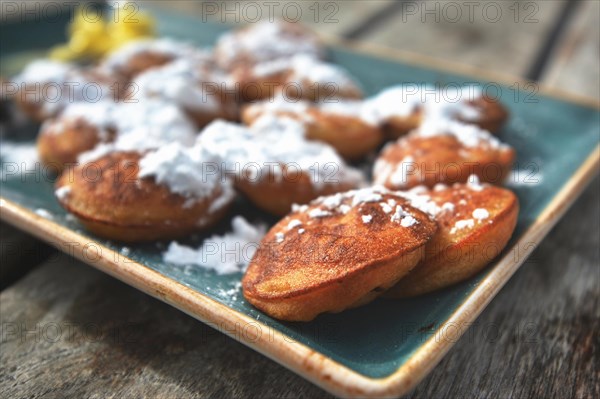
x=314, y=366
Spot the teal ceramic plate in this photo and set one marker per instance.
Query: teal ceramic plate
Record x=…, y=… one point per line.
x=382, y=349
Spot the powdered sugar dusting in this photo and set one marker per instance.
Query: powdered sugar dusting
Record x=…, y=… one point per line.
x=226, y=254
x=481, y=214
x=462, y=224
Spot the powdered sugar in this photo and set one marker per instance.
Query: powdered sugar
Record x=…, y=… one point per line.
x=100, y=114
x=17, y=158
x=253, y=148
x=318, y=213
x=265, y=41
x=62, y=192
x=279, y=237
x=337, y=204
x=190, y=172
x=166, y=46
x=144, y=126
x=224, y=254
x=481, y=214
x=183, y=82
x=294, y=223
x=462, y=224
x=474, y=184
x=468, y=134
x=435, y=103
x=44, y=71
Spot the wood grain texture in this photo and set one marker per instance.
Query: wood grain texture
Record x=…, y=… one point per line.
x=68, y=330
x=331, y=17
x=19, y=253
x=574, y=65
x=501, y=36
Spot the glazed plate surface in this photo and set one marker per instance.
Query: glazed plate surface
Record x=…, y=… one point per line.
x=382, y=349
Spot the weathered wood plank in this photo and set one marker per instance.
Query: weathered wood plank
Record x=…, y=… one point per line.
x=19, y=253
x=501, y=36
x=331, y=17
x=68, y=330
x=574, y=63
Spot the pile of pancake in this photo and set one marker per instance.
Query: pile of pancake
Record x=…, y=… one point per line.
x=158, y=140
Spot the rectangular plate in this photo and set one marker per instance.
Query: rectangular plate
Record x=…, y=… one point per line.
x=388, y=346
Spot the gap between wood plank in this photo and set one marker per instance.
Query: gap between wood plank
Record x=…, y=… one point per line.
x=374, y=20
x=541, y=60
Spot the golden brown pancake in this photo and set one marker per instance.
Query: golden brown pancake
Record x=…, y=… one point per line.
x=193, y=84
x=266, y=41
x=492, y=114
x=475, y=223
x=445, y=158
x=47, y=99
x=277, y=192
x=110, y=200
x=275, y=166
x=62, y=139
x=340, y=251
x=352, y=137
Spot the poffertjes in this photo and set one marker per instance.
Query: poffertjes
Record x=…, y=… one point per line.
x=83, y=127
x=443, y=151
x=475, y=223
x=127, y=196
x=266, y=41
x=401, y=109
x=274, y=165
x=337, y=252
x=79, y=128
x=192, y=83
x=338, y=124
x=142, y=55
x=299, y=77
x=46, y=88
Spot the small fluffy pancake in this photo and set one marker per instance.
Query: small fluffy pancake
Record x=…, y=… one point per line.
x=84, y=127
x=266, y=41
x=475, y=223
x=275, y=166
x=110, y=200
x=79, y=128
x=297, y=77
x=193, y=84
x=491, y=114
x=447, y=153
x=337, y=252
x=277, y=192
x=47, y=87
x=139, y=56
x=337, y=124
x=401, y=109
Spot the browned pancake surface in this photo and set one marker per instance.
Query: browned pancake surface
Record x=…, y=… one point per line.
x=475, y=223
x=441, y=159
x=351, y=137
x=111, y=201
x=308, y=264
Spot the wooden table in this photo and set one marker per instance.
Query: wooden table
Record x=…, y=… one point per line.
x=69, y=330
